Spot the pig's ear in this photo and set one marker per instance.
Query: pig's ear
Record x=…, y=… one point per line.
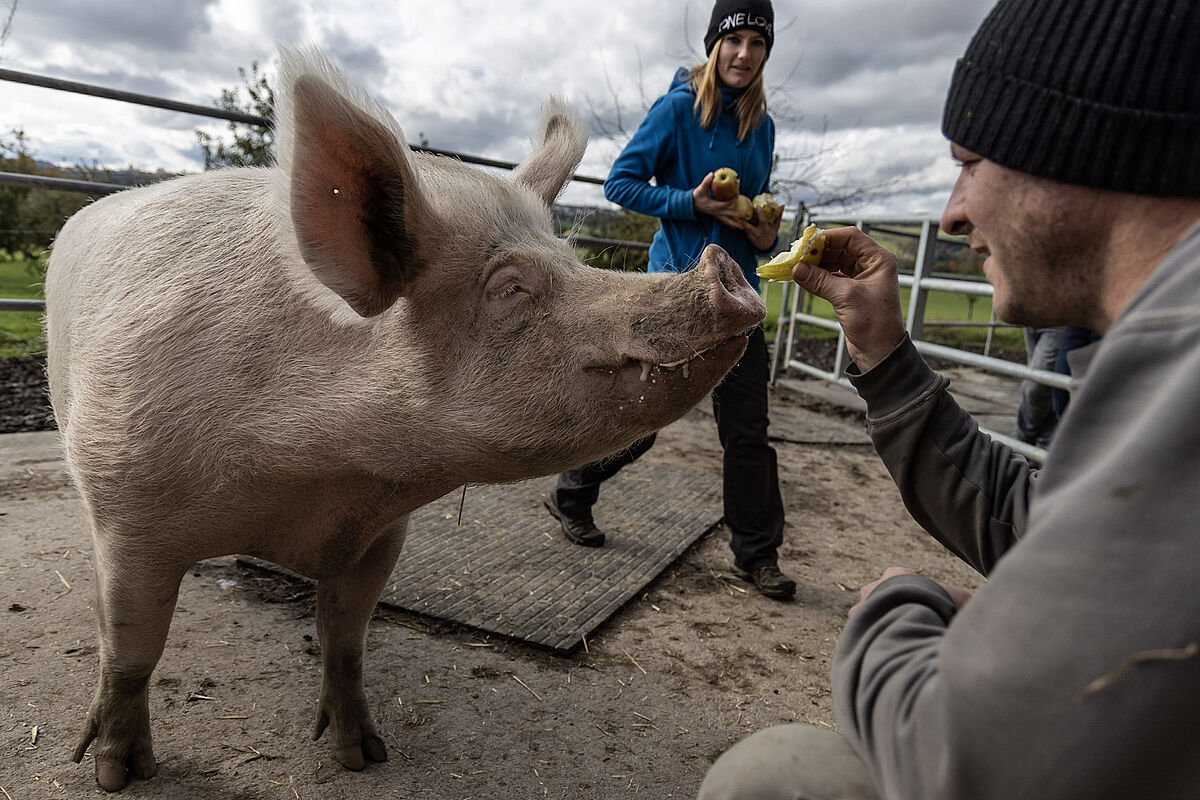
x=564, y=139
x=356, y=202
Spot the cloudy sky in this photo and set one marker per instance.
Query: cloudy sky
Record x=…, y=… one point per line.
x=856, y=85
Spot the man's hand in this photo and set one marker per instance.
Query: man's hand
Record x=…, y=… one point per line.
x=858, y=277
x=705, y=203
x=959, y=596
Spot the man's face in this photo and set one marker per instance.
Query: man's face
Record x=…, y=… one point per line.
x=1043, y=241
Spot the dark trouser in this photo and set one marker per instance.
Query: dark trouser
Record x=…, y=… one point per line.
x=578, y=488
x=753, y=506
x=1036, y=419
x=1073, y=338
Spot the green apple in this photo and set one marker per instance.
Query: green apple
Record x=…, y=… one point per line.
x=725, y=184
x=768, y=209
x=743, y=205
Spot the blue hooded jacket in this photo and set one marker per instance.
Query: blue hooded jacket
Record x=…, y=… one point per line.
x=671, y=147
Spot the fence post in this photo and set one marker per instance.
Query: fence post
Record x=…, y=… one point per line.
x=793, y=295
x=922, y=266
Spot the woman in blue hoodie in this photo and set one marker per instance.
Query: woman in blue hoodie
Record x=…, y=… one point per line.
x=713, y=116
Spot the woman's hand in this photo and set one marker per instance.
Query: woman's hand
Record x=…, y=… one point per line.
x=763, y=235
x=705, y=203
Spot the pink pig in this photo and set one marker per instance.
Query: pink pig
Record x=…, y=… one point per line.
x=286, y=362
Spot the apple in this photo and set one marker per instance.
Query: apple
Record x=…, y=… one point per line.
x=808, y=248
x=768, y=209
x=725, y=184
x=743, y=206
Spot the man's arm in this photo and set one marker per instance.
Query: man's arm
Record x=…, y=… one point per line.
x=970, y=493
x=1072, y=672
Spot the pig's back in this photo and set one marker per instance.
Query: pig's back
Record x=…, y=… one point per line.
x=138, y=264
x=178, y=336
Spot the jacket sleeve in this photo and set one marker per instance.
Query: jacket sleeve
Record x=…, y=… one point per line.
x=969, y=492
x=1073, y=671
x=628, y=183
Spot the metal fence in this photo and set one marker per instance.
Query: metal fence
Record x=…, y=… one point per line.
x=921, y=281
x=97, y=188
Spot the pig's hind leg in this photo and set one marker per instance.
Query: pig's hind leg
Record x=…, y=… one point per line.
x=135, y=598
x=344, y=606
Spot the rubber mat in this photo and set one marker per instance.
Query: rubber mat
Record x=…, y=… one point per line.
x=507, y=568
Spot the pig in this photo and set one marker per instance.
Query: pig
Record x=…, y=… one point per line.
x=285, y=362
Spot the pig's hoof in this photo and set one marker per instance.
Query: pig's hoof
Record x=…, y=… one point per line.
x=117, y=757
x=353, y=745
x=354, y=755
x=112, y=774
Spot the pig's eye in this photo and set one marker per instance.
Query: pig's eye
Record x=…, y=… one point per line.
x=507, y=285
x=507, y=289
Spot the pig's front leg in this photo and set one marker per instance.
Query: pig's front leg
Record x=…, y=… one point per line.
x=136, y=591
x=344, y=606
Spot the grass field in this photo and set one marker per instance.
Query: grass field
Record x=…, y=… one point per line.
x=20, y=331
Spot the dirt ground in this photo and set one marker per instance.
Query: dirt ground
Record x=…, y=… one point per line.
x=691, y=665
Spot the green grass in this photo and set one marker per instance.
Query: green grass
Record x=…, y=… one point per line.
x=20, y=331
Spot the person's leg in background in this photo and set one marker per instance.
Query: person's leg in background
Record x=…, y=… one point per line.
x=578, y=489
x=753, y=505
x=1073, y=338
x=1036, y=419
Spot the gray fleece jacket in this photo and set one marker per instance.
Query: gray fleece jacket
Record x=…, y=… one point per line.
x=1074, y=672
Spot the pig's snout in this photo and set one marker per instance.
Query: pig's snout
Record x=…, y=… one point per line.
x=727, y=289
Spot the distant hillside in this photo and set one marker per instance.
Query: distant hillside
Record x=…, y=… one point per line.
x=123, y=177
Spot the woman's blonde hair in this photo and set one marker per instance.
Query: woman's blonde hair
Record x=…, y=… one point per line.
x=751, y=106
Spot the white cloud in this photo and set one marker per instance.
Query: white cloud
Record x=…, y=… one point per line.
x=861, y=81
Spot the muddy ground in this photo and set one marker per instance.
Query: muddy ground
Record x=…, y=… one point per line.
x=691, y=665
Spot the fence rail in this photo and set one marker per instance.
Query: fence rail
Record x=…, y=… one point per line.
x=60, y=84
x=921, y=283
x=60, y=184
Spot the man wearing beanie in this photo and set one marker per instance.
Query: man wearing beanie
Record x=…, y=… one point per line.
x=1074, y=672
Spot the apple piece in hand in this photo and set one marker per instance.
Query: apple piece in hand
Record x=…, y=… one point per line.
x=766, y=207
x=808, y=248
x=743, y=206
x=725, y=184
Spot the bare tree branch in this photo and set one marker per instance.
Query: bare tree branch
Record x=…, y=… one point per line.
x=7, y=29
x=798, y=177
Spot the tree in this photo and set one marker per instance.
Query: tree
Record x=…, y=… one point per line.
x=796, y=178
x=30, y=217
x=620, y=224
x=251, y=145
x=6, y=28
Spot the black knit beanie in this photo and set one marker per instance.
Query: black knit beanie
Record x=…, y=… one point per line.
x=1099, y=93
x=733, y=15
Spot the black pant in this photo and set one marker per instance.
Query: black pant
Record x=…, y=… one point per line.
x=753, y=506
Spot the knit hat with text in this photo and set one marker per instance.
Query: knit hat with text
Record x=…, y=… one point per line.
x=733, y=15
x=1099, y=93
